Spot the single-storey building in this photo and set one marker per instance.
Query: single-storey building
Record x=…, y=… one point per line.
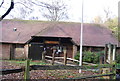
x=22, y=39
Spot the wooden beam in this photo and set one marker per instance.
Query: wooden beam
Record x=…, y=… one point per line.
x=93, y=76
x=55, y=57
x=64, y=67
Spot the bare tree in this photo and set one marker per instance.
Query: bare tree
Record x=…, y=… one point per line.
x=108, y=13
x=22, y=9
x=54, y=11
x=9, y=9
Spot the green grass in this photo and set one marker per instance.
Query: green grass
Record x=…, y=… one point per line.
x=23, y=62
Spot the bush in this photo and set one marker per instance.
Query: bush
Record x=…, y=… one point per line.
x=118, y=58
x=91, y=57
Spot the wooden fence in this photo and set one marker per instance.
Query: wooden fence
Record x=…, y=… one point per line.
x=28, y=68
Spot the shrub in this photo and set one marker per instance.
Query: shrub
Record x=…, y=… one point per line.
x=91, y=57
x=118, y=57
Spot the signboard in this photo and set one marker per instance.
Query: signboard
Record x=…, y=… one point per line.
x=52, y=42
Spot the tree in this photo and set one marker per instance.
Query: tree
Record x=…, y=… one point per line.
x=53, y=10
x=112, y=24
x=107, y=13
x=98, y=19
x=56, y=10
x=22, y=9
x=9, y=9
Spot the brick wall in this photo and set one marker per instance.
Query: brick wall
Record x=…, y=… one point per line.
x=13, y=51
x=5, y=51
x=19, y=52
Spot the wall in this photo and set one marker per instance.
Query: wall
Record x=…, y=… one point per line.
x=12, y=51
x=69, y=49
x=74, y=51
x=5, y=51
x=26, y=48
x=19, y=52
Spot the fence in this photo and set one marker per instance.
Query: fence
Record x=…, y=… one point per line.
x=109, y=70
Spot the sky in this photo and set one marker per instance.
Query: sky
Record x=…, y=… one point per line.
x=92, y=8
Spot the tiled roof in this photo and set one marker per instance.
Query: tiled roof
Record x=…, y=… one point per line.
x=93, y=34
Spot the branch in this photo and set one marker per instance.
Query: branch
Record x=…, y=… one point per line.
x=24, y=5
x=8, y=11
x=43, y=4
x=2, y=3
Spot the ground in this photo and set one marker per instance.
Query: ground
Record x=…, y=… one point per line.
x=42, y=74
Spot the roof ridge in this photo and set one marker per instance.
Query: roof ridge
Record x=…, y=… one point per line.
x=63, y=31
x=44, y=29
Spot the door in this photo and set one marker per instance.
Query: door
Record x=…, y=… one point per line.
x=35, y=51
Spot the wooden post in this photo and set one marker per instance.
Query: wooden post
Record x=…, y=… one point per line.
x=53, y=56
x=43, y=55
x=105, y=53
x=101, y=62
x=27, y=68
x=65, y=56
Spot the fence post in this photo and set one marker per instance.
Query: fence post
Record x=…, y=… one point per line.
x=65, y=56
x=53, y=56
x=27, y=68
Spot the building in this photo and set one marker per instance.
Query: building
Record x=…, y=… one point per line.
x=27, y=39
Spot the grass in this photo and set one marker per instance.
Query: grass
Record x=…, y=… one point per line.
x=23, y=62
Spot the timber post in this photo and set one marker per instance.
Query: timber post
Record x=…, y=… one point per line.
x=53, y=56
x=27, y=68
x=65, y=56
x=105, y=54
x=43, y=55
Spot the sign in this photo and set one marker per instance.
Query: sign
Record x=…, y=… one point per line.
x=52, y=42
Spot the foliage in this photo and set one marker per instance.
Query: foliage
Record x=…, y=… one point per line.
x=98, y=20
x=118, y=58
x=112, y=24
x=91, y=57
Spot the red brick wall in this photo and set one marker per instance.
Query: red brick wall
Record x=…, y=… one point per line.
x=18, y=51
x=5, y=51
